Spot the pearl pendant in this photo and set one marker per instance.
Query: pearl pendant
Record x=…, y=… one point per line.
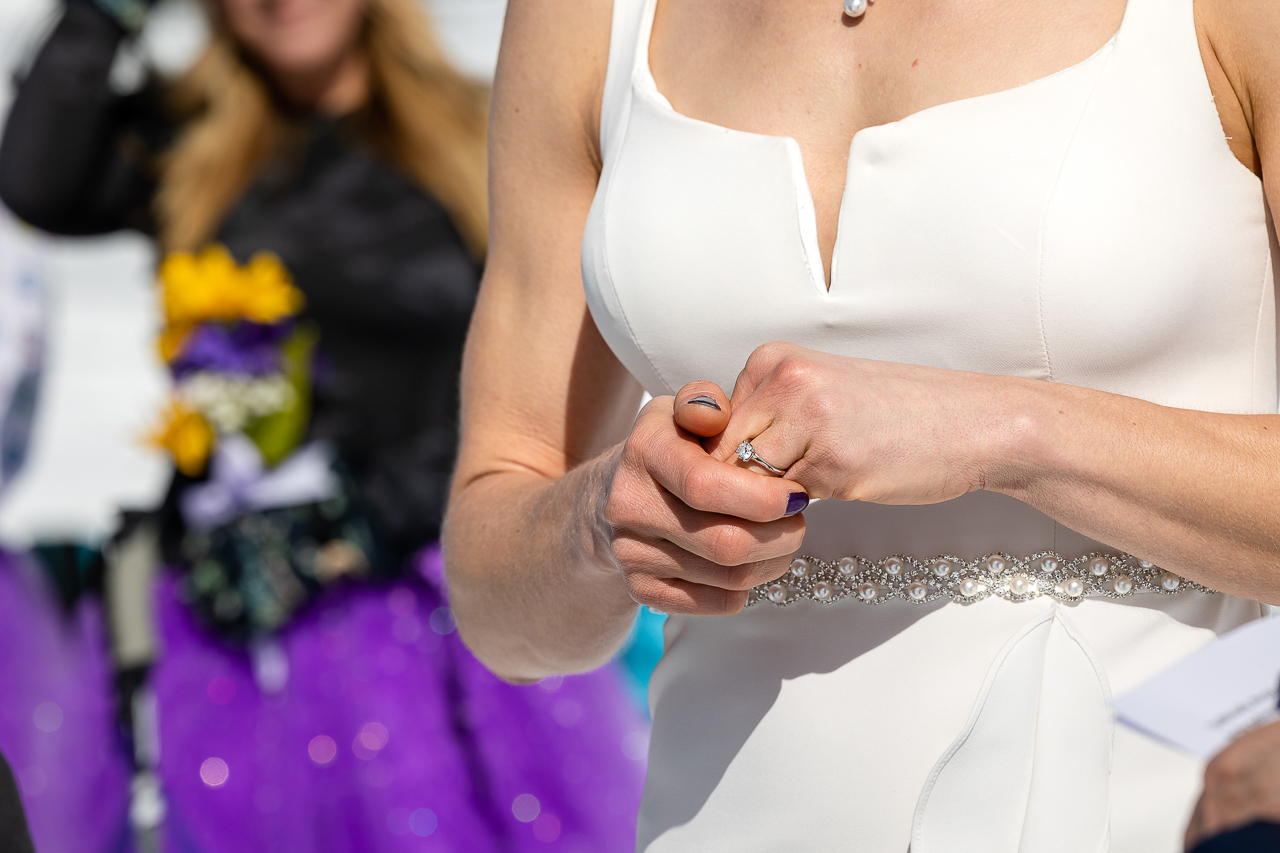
x=855, y=8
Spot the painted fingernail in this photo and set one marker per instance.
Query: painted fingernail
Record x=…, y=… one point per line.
x=797, y=502
x=705, y=400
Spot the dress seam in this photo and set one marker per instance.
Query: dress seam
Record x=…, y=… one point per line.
x=1049, y=201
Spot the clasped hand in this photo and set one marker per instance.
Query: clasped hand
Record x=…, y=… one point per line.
x=693, y=528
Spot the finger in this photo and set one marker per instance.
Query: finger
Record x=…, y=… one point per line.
x=722, y=539
x=768, y=446
x=1193, y=833
x=702, y=408
x=663, y=559
x=676, y=596
x=762, y=362
x=751, y=416
x=678, y=463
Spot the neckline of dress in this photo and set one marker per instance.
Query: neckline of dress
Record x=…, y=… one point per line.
x=642, y=73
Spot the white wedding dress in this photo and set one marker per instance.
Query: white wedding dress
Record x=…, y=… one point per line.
x=1090, y=228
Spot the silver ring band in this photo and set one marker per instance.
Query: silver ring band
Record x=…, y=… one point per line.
x=747, y=453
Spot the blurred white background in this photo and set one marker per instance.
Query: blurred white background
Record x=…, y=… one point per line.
x=103, y=384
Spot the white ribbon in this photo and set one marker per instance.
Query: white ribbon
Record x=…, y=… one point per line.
x=239, y=482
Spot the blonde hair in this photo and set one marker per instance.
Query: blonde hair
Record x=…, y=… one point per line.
x=425, y=118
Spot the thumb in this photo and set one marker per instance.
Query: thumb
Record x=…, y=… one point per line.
x=702, y=408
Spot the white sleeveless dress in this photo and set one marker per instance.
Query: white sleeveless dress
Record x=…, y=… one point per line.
x=1091, y=228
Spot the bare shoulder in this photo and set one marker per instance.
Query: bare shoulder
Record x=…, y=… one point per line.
x=1239, y=41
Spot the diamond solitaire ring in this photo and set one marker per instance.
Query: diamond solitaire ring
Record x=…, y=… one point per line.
x=747, y=453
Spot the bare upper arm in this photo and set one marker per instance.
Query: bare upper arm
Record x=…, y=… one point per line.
x=541, y=390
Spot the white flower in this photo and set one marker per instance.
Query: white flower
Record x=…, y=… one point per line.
x=229, y=403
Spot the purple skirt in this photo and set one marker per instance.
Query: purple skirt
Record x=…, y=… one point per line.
x=58, y=718
x=365, y=725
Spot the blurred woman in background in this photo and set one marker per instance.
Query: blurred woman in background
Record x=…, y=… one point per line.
x=310, y=688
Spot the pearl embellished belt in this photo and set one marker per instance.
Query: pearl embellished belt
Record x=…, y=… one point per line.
x=1010, y=578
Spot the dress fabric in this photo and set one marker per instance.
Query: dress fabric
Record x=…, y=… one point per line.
x=1092, y=228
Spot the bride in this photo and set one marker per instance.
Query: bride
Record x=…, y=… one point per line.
x=995, y=283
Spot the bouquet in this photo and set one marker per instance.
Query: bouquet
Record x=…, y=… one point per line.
x=268, y=520
x=239, y=359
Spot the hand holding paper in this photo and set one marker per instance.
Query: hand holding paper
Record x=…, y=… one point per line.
x=1206, y=701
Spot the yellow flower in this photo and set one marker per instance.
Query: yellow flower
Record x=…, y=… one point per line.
x=210, y=286
x=173, y=339
x=267, y=293
x=187, y=436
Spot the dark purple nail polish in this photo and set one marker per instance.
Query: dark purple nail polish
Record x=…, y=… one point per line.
x=705, y=400
x=797, y=502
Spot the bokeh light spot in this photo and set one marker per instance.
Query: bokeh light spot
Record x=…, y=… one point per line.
x=322, y=749
x=525, y=807
x=214, y=772
x=374, y=736
x=546, y=828
x=423, y=822
x=567, y=713
x=221, y=690
x=551, y=683
x=401, y=601
x=360, y=751
x=442, y=621
x=635, y=745
x=47, y=717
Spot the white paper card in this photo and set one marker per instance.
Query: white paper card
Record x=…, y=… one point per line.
x=1207, y=700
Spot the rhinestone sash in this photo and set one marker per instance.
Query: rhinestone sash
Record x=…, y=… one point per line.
x=964, y=581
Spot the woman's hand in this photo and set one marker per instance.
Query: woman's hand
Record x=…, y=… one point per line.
x=690, y=533
x=1241, y=785
x=854, y=429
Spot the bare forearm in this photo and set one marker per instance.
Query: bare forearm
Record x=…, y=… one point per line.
x=1195, y=492
x=534, y=589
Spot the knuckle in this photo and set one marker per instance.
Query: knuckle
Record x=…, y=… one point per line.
x=742, y=578
x=658, y=406
x=823, y=403
x=645, y=589
x=733, y=602
x=698, y=487
x=730, y=546
x=795, y=370
x=628, y=554
x=1225, y=768
x=771, y=353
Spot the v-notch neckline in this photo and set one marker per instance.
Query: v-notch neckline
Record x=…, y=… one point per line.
x=825, y=279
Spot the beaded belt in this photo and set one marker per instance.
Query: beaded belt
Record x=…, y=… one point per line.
x=1010, y=578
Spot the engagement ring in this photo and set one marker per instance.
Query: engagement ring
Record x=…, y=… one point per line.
x=747, y=453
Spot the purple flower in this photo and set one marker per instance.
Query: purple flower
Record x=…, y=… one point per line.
x=248, y=349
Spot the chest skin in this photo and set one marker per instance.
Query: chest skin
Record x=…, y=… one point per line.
x=801, y=68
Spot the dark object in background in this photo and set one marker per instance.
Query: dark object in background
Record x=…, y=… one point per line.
x=1257, y=837
x=249, y=576
x=14, y=837
x=75, y=570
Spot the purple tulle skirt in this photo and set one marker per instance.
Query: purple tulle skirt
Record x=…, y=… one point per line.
x=365, y=725
x=57, y=716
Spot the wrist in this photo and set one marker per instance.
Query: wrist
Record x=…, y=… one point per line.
x=1018, y=446
x=595, y=537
